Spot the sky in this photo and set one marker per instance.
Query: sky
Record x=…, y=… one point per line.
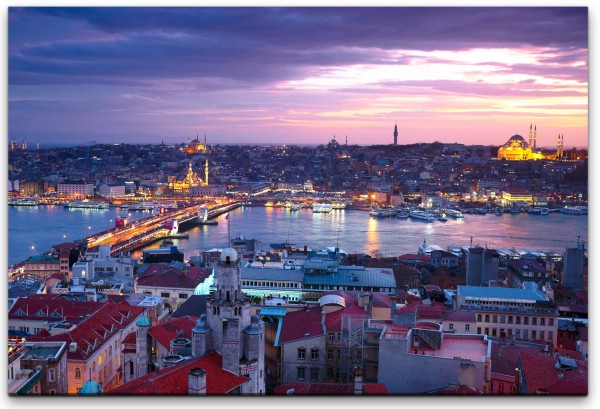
x=298, y=75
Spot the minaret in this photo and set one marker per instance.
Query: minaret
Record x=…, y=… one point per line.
x=558, y=147
x=396, y=134
x=530, y=135
x=206, y=172
x=535, y=137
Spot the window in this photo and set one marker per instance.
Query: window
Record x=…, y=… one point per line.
x=478, y=317
x=487, y=331
x=51, y=374
x=302, y=353
x=501, y=388
x=487, y=318
x=330, y=354
x=165, y=295
x=493, y=332
x=479, y=330
x=542, y=335
x=526, y=320
x=314, y=353
x=300, y=373
x=542, y=321
x=339, y=335
x=339, y=354
x=331, y=336
x=495, y=319
x=314, y=374
x=131, y=367
x=534, y=321
x=330, y=372
x=525, y=334
x=509, y=332
x=517, y=333
x=467, y=327
x=550, y=322
x=534, y=334
x=518, y=321
x=77, y=373
x=183, y=295
x=451, y=326
x=550, y=335
x=510, y=319
x=502, y=319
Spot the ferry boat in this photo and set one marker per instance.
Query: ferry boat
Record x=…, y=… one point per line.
x=455, y=214
x=572, y=210
x=85, y=204
x=295, y=206
x=420, y=215
x=279, y=204
x=23, y=202
x=339, y=205
x=321, y=208
x=269, y=204
x=143, y=206
x=385, y=213
x=539, y=211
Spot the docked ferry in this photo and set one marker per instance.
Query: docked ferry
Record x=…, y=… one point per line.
x=23, y=202
x=85, y=204
x=321, y=208
x=419, y=215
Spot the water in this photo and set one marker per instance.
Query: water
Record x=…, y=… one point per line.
x=355, y=231
x=42, y=227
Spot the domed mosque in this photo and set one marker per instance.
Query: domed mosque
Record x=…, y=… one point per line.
x=516, y=148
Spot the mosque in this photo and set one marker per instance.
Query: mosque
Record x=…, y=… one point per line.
x=190, y=180
x=196, y=146
x=516, y=148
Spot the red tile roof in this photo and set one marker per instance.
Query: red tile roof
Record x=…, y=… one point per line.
x=505, y=355
x=374, y=389
x=174, y=380
x=541, y=376
x=435, y=310
x=461, y=316
x=164, y=333
x=91, y=334
x=161, y=275
x=116, y=298
x=305, y=323
x=66, y=246
x=49, y=307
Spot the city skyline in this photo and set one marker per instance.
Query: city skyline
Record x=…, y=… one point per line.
x=298, y=75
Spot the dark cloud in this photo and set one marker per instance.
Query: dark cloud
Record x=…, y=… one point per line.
x=262, y=45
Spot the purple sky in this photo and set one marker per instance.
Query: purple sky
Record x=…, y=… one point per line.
x=298, y=75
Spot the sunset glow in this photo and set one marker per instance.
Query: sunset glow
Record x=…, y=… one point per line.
x=298, y=75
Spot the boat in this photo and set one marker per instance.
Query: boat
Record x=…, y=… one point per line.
x=287, y=205
x=339, y=205
x=279, y=204
x=166, y=243
x=85, y=204
x=539, y=211
x=544, y=211
x=144, y=206
x=576, y=210
x=385, y=213
x=321, y=208
x=443, y=219
x=269, y=204
x=455, y=214
x=420, y=215
x=402, y=215
x=295, y=206
x=23, y=202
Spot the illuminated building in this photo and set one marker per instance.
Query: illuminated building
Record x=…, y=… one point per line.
x=516, y=148
x=514, y=197
x=191, y=180
x=196, y=146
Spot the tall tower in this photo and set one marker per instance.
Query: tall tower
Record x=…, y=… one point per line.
x=535, y=137
x=236, y=335
x=396, y=134
x=143, y=325
x=530, y=135
x=562, y=146
x=558, y=147
x=206, y=171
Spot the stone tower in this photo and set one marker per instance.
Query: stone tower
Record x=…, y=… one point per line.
x=143, y=325
x=230, y=329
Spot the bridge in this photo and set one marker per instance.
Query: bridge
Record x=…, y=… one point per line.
x=145, y=231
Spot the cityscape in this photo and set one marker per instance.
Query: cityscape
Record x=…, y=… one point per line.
x=297, y=201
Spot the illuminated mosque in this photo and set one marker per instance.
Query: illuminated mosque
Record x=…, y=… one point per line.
x=191, y=179
x=196, y=146
x=516, y=148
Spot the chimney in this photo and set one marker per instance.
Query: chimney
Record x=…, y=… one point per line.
x=517, y=381
x=197, y=382
x=358, y=380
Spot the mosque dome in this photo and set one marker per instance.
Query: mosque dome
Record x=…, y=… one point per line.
x=90, y=388
x=517, y=137
x=201, y=325
x=144, y=321
x=229, y=252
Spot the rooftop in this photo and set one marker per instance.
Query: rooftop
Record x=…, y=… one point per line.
x=499, y=294
x=272, y=274
x=466, y=347
x=371, y=277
